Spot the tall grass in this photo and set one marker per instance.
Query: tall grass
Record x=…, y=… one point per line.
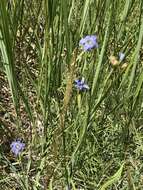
x=74, y=140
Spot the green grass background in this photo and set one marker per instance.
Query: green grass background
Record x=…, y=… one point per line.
x=91, y=140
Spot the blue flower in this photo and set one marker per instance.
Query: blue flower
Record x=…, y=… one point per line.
x=121, y=56
x=80, y=84
x=17, y=147
x=88, y=43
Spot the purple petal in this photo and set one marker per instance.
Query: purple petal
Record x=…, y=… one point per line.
x=89, y=42
x=17, y=147
x=87, y=47
x=82, y=41
x=76, y=81
x=93, y=37
x=121, y=56
x=85, y=86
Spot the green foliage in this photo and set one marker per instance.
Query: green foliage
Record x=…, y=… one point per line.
x=74, y=140
x=113, y=179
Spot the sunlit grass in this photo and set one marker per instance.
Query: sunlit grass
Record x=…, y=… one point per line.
x=73, y=140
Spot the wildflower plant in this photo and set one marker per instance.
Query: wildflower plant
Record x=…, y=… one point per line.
x=85, y=135
x=88, y=43
x=17, y=147
x=81, y=85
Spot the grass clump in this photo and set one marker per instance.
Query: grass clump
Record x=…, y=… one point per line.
x=71, y=94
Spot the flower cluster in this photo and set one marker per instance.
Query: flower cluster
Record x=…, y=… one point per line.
x=88, y=43
x=81, y=85
x=17, y=147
